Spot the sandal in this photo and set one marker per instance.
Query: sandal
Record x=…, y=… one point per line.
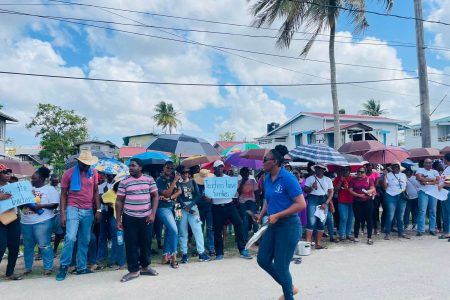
x=356, y=240
x=149, y=271
x=334, y=240
x=48, y=272
x=174, y=264
x=319, y=247
x=369, y=242
x=14, y=277
x=352, y=239
x=128, y=277
x=444, y=237
x=27, y=272
x=166, y=259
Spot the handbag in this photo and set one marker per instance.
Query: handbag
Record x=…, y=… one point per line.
x=8, y=217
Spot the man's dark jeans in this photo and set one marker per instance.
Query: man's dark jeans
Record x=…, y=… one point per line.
x=137, y=234
x=222, y=213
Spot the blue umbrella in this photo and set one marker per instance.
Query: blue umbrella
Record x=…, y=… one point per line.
x=151, y=158
x=407, y=163
x=318, y=153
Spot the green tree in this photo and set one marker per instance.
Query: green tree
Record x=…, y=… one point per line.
x=59, y=130
x=228, y=136
x=166, y=116
x=372, y=108
x=315, y=16
x=342, y=111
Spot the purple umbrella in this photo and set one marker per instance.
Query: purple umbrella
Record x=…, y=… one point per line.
x=238, y=161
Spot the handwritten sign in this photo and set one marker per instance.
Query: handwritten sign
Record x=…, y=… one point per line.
x=221, y=187
x=21, y=193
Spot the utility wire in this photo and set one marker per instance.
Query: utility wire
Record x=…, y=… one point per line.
x=200, y=84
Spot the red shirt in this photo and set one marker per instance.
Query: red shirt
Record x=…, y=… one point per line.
x=83, y=199
x=344, y=195
x=358, y=184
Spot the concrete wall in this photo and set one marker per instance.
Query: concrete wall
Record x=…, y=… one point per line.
x=2, y=136
x=140, y=141
x=412, y=141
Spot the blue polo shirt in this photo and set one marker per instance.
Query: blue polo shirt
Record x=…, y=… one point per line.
x=280, y=193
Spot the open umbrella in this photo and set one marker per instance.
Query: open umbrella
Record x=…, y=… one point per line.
x=353, y=161
x=18, y=167
x=238, y=161
x=72, y=160
x=418, y=154
x=317, y=153
x=360, y=147
x=199, y=160
x=387, y=155
x=239, y=148
x=181, y=144
x=150, y=158
x=210, y=166
x=110, y=166
x=445, y=150
x=255, y=153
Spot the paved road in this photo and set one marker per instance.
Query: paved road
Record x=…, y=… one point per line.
x=396, y=269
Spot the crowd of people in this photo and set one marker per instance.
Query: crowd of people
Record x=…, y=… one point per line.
x=110, y=221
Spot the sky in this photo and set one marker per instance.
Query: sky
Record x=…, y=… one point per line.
x=114, y=110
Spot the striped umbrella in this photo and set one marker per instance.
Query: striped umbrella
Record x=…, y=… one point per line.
x=239, y=148
x=318, y=153
x=181, y=144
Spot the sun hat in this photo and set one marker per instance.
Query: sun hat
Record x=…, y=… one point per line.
x=200, y=177
x=87, y=158
x=398, y=164
x=313, y=167
x=218, y=163
x=4, y=168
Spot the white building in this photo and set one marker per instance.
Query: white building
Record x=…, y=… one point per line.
x=109, y=148
x=317, y=128
x=440, y=134
x=3, y=119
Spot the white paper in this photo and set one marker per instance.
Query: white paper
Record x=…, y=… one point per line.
x=320, y=213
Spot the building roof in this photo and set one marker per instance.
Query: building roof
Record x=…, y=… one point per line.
x=126, y=139
x=343, y=117
x=7, y=118
x=109, y=143
x=349, y=126
x=125, y=152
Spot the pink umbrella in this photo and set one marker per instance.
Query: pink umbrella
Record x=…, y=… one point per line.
x=18, y=167
x=257, y=154
x=418, y=154
x=360, y=147
x=238, y=161
x=445, y=150
x=387, y=155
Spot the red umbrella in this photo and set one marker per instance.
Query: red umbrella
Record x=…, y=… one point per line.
x=445, y=150
x=18, y=167
x=387, y=155
x=360, y=147
x=418, y=154
x=199, y=160
x=256, y=154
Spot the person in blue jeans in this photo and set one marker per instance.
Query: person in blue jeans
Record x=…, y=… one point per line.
x=429, y=180
x=284, y=200
x=248, y=197
x=37, y=222
x=205, y=210
x=169, y=191
x=445, y=183
x=79, y=198
x=345, y=199
x=394, y=183
x=190, y=217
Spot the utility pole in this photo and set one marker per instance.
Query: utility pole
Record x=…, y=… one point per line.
x=423, y=77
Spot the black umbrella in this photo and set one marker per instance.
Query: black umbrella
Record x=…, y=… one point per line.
x=72, y=160
x=181, y=144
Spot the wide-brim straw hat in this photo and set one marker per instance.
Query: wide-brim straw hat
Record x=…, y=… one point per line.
x=87, y=158
x=399, y=164
x=313, y=167
x=200, y=177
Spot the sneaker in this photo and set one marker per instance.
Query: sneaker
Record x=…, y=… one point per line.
x=204, y=257
x=20, y=254
x=219, y=257
x=387, y=237
x=212, y=253
x=419, y=234
x=62, y=273
x=432, y=233
x=85, y=271
x=413, y=227
x=184, y=258
x=245, y=254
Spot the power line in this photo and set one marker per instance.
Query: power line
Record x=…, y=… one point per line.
x=199, y=84
x=223, y=48
x=403, y=45
x=437, y=82
x=212, y=21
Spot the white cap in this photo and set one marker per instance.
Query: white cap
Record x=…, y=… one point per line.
x=218, y=163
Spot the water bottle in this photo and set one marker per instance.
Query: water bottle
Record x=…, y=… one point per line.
x=120, y=237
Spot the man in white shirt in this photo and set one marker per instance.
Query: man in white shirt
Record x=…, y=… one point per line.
x=320, y=192
x=412, y=193
x=445, y=183
x=429, y=180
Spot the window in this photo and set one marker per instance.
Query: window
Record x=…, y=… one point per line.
x=265, y=142
x=95, y=147
x=417, y=132
x=280, y=140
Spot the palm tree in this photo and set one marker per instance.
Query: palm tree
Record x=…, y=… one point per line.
x=315, y=16
x=372, y=108
x=166, y=116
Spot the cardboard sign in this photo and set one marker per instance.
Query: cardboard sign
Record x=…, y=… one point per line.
x=21, y=193
x=221, y=187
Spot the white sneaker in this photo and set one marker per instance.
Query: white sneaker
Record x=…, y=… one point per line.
x=20, y=254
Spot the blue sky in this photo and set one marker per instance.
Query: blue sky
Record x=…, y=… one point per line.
x=116, y=110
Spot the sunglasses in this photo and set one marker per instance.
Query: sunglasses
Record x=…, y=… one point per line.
x=6, y=172
x=266, y=159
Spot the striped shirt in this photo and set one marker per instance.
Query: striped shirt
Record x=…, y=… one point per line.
x=137, y=195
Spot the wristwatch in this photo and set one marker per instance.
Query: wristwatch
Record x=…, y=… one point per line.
x=99, y=210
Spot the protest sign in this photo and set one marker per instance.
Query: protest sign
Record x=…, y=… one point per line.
x=221, y=187
x=21, y=193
